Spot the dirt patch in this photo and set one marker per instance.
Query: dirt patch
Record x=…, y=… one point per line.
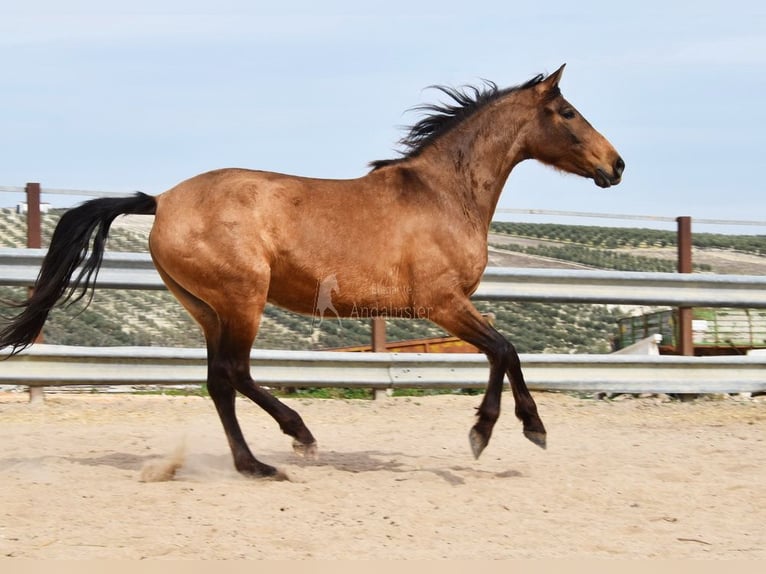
x=394, y=479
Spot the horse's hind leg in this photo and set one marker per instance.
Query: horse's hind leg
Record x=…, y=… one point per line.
x=232, y=361
x=289, y=420
x=464, y=321
x=228, y=345
x=229, y=371
x=224, y=396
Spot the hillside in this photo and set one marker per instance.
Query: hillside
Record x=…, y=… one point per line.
x=155, y=318
x=631, y=249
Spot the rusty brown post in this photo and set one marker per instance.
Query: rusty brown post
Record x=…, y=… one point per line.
x=34, y=241
x=685, y=344
x=379, y=346
x=378, y=334
x=34, y=225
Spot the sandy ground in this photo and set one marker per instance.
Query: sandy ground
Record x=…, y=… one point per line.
x=395, y=479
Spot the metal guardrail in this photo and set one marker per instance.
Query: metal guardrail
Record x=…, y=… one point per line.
x=54, y=365
x=623, y=287
x=50, y=365
x=20, y=267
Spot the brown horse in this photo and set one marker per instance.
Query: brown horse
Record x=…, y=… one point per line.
x=408, y=239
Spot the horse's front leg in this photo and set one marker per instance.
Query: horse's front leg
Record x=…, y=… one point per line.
x=463, y=320
x=526, y=408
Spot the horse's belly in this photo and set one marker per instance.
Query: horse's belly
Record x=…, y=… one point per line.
x=345, y=294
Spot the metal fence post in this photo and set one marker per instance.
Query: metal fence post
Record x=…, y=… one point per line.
x=685, y=339
x=379, y=346
x=34, y=241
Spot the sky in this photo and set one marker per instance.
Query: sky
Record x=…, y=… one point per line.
x=124, y=96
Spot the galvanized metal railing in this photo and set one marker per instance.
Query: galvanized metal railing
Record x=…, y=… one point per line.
x=52, y=365
x=47, y=365
x=19, y=267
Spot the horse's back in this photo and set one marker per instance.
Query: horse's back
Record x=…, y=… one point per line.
x=222, y=225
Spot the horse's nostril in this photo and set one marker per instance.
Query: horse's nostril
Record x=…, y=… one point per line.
x=619, y=167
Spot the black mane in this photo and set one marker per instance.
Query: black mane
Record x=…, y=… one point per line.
x=442, y=117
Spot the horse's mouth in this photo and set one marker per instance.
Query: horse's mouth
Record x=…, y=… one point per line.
x=603, y=180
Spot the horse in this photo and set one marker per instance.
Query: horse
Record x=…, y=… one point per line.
x=408, y=239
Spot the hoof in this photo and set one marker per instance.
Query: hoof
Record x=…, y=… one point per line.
x=272, y=474
x=308, y=451
x=539, y=438
x=278, y=476
x=478, y=442
x=263, y=471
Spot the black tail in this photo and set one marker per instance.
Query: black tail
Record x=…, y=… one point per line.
x=69, y=249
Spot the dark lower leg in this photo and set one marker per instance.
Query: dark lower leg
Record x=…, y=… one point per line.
x=223, y=396
x=289, y=421
x=526, y=408
x=233, y=358
x=489, y=409
x=463, y=320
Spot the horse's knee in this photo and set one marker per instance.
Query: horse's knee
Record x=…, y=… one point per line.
x=501, y=352
x=228, y=369
x=512, y=356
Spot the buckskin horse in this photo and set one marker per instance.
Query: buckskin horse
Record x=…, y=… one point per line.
x=408, y=239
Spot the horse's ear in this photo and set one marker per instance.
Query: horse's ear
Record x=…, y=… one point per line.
x=551, y=82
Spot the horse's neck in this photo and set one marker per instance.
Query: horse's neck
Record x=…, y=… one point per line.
x=473, y=162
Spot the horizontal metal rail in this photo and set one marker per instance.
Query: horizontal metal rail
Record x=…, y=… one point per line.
x=623, y=287
x=72, y=192
x=53, y=365
x=20, y=267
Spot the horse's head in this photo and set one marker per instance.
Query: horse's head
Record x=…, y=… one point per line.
x=559, y=136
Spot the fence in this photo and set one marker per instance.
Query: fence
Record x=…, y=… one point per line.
x=46, y=365
x=52, y=365
x=716, y=331
x=19, y=267
x=684, y=344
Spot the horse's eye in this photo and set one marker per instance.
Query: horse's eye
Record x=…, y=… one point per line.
x=568, y=113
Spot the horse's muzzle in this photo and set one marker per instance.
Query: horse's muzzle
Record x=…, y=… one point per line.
x=604, y=180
